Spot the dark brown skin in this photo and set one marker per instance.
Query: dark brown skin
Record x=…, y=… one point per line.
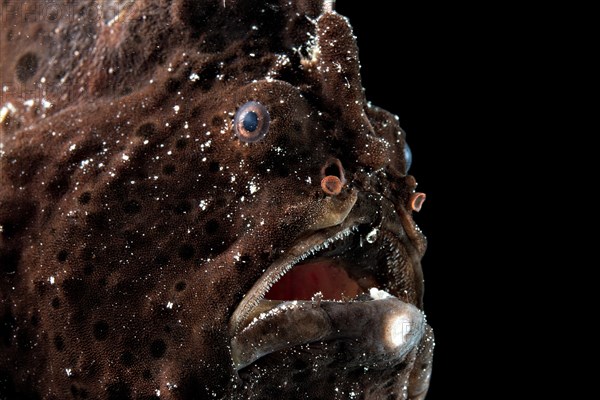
x=133, y=220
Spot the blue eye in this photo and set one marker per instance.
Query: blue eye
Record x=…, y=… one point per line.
x=407, y=157
x=251, y=122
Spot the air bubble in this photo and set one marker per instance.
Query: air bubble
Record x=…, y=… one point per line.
x=372, y=236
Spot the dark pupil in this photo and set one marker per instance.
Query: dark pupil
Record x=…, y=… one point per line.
x=250, y=121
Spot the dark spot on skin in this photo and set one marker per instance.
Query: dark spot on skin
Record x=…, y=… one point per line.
x=146, y=130
x=172, y=85
x=161, y=259
x=212, y=226
x=74, y=290
x=101, y=330
x=127, y=358
x=55, y=303
x=181, y=143
x=41, y=288
x=207, y=77
x=183, y=207
x=147, y=375
x=85, y=198
x=26, y=67
x=79, y=316
x=35, y=320
x=132, y=207
x=97, y=221
x=7, y=326
x=217, y=121
x=299, y=365
x=214, y=166
x=158, y=348
x=58, y=186
x=9, y=260
x=214, y=43
x=301, y=376
x=195, y=14
x=169, y=169
x=186, y=252
x=180, y=286
x=24, y=342
x=88, y=269
x=59, y=343
x=119, y=391
x=62, y=256
x=282, y=171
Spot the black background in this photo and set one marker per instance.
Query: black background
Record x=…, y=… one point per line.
x=414, y=61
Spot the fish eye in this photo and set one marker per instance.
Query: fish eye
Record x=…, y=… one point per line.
x=407, y=157
x=251, y=122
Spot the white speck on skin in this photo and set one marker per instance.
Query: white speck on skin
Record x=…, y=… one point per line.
x=203, y=204
x=8, y=107
x=68, y=371
x=51, y=280
x=176, y=109
x=72, y=147
x=194, y=77
x=170, y=305
x=125, y=157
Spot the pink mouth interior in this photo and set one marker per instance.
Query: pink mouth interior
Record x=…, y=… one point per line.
x=324, y=276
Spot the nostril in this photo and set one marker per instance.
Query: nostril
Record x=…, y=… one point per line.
x=333, y=167
x=416, y=201
x=331, y=185
x=332, y=170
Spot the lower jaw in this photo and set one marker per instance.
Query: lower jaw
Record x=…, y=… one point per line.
x=380, y=328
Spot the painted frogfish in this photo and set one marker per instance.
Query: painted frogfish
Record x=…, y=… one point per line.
x=198, y=202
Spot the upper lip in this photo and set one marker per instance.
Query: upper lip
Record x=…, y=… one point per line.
x=295, y=255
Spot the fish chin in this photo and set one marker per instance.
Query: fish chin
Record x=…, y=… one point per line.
x=381, y=328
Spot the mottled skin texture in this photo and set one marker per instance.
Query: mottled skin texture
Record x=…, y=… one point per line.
x=131, y=228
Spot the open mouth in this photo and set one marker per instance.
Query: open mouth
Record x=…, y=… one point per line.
x=343, y=283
